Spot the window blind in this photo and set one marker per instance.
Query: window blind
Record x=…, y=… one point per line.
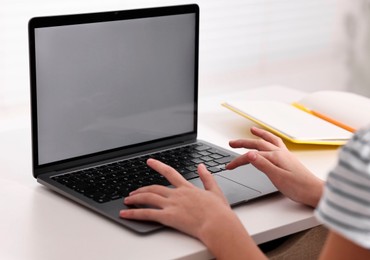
x=234, y=34
x=247, y=33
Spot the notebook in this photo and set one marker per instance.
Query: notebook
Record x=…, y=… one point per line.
x=111, y=89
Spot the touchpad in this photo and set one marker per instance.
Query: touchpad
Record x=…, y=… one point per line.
x=251, y=177
x=234, y=192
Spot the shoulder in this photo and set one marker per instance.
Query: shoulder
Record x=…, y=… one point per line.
x=345, y=205
x=356, y=153
x=352, y=171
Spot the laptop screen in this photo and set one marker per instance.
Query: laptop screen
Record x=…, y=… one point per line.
x=111, y=84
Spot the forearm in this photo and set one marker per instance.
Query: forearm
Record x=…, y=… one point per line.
x=338, y=247
x=315, y=192
x=226, y=238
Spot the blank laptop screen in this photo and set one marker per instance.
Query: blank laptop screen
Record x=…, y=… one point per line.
x=106, y=85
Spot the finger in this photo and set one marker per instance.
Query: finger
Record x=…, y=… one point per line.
x=157, y=189
x=149, y=199
x=257, y=144
x=267, y=136
x=168, y=172
x=250, y=156
x=142, y=214
x=272, y=171
x=239, y=161
x=206, y=177
x=271, y=157
x=209, y=182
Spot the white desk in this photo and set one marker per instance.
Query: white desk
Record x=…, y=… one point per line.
x=38, y=224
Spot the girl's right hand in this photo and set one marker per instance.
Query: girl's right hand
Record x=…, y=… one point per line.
x=286, y=172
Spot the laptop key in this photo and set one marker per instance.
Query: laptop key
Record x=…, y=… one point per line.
x=206, y=158
x=214, y=169
x=201, y=147
x=197, y=161
x=190, y=175
x=211, y=163
x=224, y=160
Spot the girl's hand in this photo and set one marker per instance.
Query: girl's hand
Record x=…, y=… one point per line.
x=204, y=214
x=286, y=172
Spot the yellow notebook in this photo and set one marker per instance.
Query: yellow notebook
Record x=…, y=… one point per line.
x=323, y=117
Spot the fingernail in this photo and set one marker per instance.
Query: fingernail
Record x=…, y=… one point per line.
x=252, y=156
x=203, y=166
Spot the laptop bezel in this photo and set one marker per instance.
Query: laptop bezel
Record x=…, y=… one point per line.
x=62, y=20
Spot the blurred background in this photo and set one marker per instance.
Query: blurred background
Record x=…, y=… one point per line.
x=304, y=44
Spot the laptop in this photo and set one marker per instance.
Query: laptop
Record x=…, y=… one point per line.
x=110, y=90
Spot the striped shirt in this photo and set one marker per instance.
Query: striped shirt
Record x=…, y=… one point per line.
x=345, y=205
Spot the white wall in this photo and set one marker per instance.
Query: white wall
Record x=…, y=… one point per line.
x=357, y=48
x=243, y=43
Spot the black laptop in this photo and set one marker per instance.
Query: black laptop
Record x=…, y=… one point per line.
x=110, y=90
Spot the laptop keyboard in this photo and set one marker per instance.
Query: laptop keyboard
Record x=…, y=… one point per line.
x=116, y=180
